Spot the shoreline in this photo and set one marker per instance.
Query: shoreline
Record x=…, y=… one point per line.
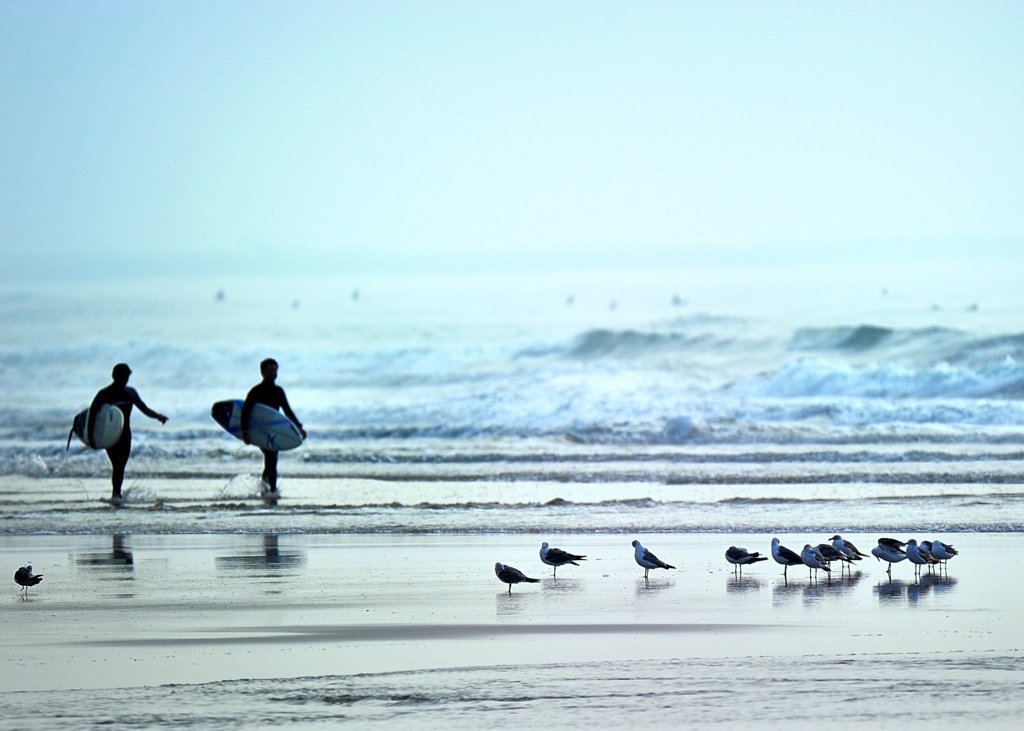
x=151, y=610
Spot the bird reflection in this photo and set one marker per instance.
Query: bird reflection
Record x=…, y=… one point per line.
x=742, y=584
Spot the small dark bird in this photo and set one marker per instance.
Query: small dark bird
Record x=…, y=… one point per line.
x=557, y=557
x=648, y=560
x=511, y=575
x=740, y=556
x=25, y=578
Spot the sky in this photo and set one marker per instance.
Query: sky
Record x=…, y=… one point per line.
x=311, y=137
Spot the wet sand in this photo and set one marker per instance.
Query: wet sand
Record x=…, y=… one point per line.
x=159, y=609
x=130, y=611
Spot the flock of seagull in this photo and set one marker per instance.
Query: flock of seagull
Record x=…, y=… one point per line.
x=815, y=558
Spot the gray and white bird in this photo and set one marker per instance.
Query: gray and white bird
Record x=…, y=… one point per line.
x=557, y=557
x=918, y=556
x=813, y=559
x=847, y=548
x=511, y=575
x=943, y=551
x=24, y=578
x=785, y=556
x=740, y=557
x=648, y=560
x=886, y=551
x=831, y=553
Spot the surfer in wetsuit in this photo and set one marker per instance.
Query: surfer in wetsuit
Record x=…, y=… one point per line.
x=121, y=395
x=268, y=393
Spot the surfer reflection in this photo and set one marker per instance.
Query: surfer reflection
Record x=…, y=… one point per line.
x=271, y=559
x=119, y=558
x=268, y=393
x=121, y=395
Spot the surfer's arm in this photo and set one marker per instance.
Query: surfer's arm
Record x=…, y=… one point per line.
x=94, y=409
x=246, y=415
x=145, y=409
x=291, y=414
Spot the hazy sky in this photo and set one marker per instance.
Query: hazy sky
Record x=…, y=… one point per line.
x=311, y=136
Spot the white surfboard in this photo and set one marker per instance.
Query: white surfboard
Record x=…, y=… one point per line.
x=107, y=429
x=268, y=428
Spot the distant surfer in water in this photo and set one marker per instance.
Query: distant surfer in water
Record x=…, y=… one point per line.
x=268, y=393
x=121, y=395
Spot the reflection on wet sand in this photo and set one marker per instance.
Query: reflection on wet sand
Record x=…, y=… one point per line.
x=267, y=559
x=119, y=559
x=742, y=585
x=897, y=591
x=816, y=591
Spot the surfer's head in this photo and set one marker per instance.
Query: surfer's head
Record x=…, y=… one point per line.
x=268, y=368
x=120, y=373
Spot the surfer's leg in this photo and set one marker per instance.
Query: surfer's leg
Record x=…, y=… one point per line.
x=118, y=455
x=270, y=468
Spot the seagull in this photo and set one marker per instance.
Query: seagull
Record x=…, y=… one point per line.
x=740, y=556
x=785, y=556
x=847, y=548
x=648, y=560
x=943, y=551
x=925, y=548
x=886, y=551
x=831, y=553
x=25, y=578
x=918, y=556
x=511, y=575
x=813, y=559
x=557, y=557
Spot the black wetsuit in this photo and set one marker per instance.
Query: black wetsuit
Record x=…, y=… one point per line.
x=272, y=395
x=123, y=397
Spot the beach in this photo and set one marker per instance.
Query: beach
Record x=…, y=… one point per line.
x=304, y=629
x=455, y=423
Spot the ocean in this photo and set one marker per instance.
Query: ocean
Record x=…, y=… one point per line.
x=692, y=408
x=617, y=400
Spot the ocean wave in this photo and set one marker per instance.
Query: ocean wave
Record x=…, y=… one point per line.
x=862, y=338
x=818, y=377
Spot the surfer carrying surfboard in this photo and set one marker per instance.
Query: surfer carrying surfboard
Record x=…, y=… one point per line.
x=121, y=395
x=268, y=393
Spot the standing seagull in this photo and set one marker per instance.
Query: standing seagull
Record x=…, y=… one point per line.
x=847, y=548
x=886, y=551
x=918, y=556
x=648, y=560
x=813, y=559
x=785, y=556
x=511, y=575
x=25, y=578
x=943, y=551
x=740, y=556
x=557, y=557
x=830, y=553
